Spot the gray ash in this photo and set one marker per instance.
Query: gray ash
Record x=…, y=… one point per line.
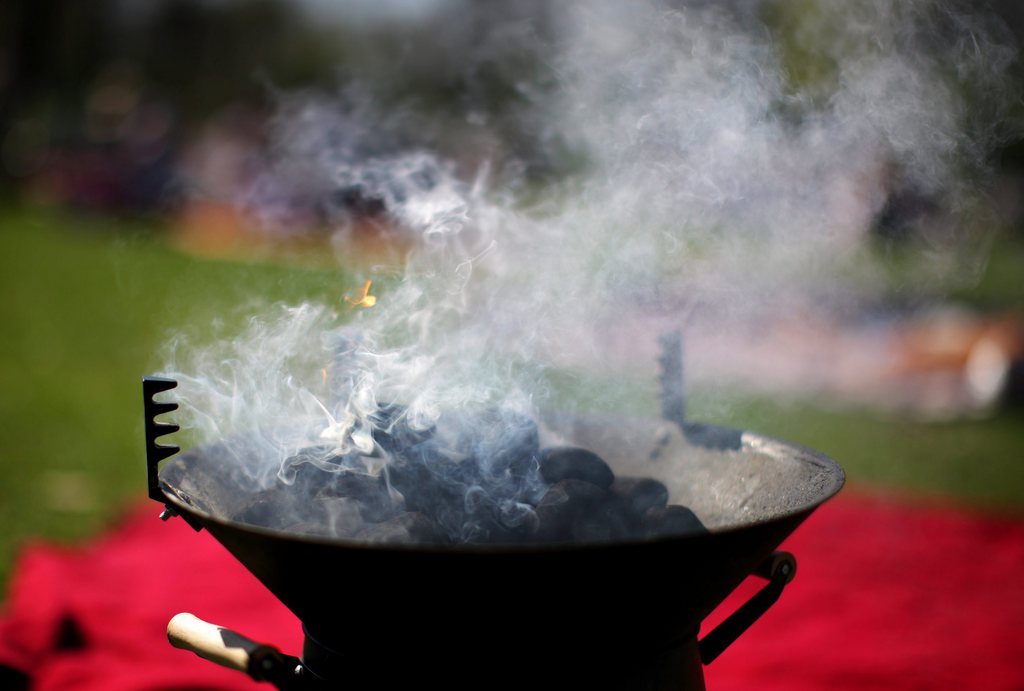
x=487, y=481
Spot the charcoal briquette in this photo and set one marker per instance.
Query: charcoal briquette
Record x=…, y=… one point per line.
x=640, y=493
x=314, y=468
x=411, y=526
x=518, y=516
x=481, y=478
x=341, y=516
x=504, y=521
x=308, y=454
x=563, y=504
x=504, y=443
x=610, y=518
x=265, y=509
x=370, y=491
x=672, y=520
x=393, y=432
x=573, y=463
x=482, y=530
x=433, y=487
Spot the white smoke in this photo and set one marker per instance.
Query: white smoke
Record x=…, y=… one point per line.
x=712, y=181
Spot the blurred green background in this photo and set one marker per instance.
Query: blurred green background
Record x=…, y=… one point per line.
x=114, y=118
x=88, y=305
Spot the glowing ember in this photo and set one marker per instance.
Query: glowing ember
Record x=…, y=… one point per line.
x=365, y=299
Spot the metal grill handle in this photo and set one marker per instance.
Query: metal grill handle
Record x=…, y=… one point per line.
x=155, y=452
x=779, y=569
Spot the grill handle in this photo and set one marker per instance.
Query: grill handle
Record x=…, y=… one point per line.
x=155, y=452
x=233, y=650
x=779, y=569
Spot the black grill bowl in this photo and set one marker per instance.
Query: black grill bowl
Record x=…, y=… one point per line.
x=390, y=616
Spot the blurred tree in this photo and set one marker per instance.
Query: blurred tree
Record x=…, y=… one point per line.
x=209, y=55
x=49, y=51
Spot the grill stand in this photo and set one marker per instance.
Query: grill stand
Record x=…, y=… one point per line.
x=677, y=667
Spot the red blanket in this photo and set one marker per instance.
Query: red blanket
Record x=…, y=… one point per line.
x=887, y=596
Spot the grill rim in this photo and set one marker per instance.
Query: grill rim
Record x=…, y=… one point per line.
x=750, y=442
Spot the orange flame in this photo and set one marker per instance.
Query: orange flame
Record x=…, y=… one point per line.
x=365, y=299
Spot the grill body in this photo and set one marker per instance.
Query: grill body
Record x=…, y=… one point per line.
x=621, y=615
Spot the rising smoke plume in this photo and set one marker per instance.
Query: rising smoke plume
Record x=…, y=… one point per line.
x=707, y=175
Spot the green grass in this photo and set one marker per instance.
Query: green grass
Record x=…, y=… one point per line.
x=980, y=462
x=86, y=308
x=88, y=304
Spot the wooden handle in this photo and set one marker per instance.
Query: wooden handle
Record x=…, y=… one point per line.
x=211, y=642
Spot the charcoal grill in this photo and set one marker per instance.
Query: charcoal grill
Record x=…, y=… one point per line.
x=621, y=615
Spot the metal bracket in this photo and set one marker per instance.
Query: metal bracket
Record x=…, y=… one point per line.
x=155, y=452
x=286, y=672
x=779, y=569
x=673, y=395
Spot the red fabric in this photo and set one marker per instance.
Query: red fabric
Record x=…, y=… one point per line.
x=121, y=591
x=887, y=596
